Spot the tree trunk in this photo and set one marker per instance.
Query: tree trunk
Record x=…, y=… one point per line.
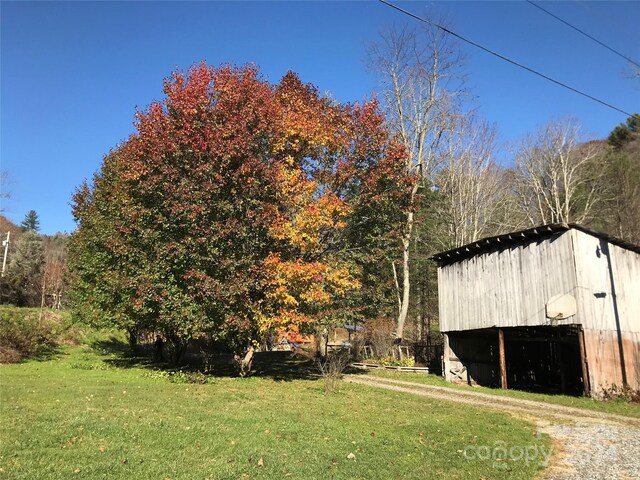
x=133, y=339
x=44, y=286
x=177, y=349
x=406, y=282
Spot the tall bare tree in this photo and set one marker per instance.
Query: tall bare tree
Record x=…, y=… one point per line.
x=421, y=83
x=471, y=184
x=25, y=271
x=556, y=175
x=54, y=270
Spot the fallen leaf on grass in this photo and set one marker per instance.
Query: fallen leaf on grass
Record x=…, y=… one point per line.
x=351, y=456
x=261, y=462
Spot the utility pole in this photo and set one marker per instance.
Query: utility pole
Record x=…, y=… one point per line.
x=5, y=244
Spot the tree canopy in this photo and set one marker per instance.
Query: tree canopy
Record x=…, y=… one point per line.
x=234, y=210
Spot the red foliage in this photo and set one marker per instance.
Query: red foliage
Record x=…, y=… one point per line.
x=225, y=207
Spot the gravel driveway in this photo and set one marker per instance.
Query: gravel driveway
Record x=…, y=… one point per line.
x=587, y=450
x=587, y=444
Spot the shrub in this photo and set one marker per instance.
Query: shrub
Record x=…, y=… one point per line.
x=179, y=376
x=28, y=332
x=9, y=354
x=393, y=362
x=620, y=393
x=332, y=367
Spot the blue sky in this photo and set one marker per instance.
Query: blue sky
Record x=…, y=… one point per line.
x=72, y=73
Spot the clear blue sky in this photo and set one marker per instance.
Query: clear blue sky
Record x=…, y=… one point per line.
x=73, y=73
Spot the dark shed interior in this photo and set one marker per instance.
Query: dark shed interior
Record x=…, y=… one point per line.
x=542, y=359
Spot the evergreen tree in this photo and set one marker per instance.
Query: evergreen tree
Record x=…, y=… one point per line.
x=624, y=134
x=30, y=222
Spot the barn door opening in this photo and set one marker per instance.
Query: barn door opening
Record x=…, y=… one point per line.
x=544, y=359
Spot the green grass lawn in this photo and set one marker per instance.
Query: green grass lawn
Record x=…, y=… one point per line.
x=79, y=416
x=617, y=407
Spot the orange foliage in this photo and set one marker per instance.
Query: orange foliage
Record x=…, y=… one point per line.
x=296, y=286
x=231, y=202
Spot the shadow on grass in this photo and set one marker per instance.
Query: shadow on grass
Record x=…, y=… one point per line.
x=44, y=353
x=125, y=357
x=10, y=354
x=279, y=366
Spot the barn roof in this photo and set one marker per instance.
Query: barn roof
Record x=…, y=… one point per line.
x=500, y=242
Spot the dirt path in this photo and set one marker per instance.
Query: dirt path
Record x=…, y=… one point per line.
x=587, y=444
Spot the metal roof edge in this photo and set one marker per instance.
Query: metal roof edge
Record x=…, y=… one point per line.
x=609, y=238
x=499, y=242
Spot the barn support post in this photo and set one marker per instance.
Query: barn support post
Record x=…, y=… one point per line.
x=584, y=363
x=503, y=362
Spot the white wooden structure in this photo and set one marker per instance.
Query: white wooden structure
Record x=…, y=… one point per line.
x=495, y=297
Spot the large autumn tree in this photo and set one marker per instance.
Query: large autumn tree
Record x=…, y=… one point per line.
x=232, y=211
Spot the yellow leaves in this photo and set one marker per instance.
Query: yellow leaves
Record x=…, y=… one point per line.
x=288, y=320
x=281, y=294
x=310, y=215
x=295, y=287
x=307, y=121
x=316, y=294
x=342, y=280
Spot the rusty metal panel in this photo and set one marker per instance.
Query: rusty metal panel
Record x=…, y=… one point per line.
x=603, y=349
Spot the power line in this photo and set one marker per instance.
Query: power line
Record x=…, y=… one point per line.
x=506, y=59
x=582, y=32
x=606, y=16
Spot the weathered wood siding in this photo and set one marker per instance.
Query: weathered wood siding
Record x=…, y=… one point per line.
x=609, y=309
x=596, y=282
x=506, y=288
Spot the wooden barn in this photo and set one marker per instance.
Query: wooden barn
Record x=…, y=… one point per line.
x=550, y=309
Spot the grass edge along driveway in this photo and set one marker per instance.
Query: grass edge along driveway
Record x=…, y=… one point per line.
x=616, y=407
